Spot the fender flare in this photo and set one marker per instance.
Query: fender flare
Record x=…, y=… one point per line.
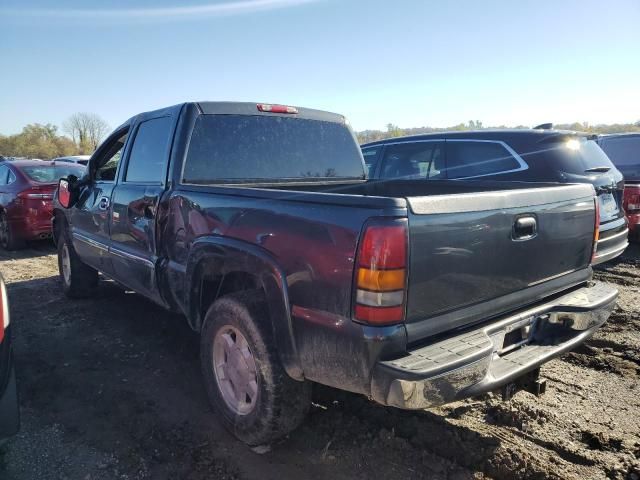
x=231, y=255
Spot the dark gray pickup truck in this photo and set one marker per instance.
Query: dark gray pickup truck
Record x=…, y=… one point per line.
x=257, y=223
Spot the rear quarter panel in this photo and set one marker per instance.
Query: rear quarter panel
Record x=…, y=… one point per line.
x=315, y=247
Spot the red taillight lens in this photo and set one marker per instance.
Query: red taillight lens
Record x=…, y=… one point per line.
x=384, y=246
x=265, y=107
x=631, y=198
x=596, y=229
x=381, y=274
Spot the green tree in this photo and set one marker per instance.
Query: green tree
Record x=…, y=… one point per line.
x=37, y=141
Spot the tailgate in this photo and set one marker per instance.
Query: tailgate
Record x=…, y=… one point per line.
x=474, y=256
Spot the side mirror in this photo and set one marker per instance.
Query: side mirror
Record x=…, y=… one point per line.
x=66, y=190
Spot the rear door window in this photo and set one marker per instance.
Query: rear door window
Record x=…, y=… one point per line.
x=423, y=160
x=4, y=173
x=474, y=158
x=149, y=151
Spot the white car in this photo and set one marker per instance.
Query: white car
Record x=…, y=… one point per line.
x=81, y=159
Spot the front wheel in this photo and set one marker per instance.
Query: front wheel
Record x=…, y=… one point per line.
x=78, y=279
x=246, y=384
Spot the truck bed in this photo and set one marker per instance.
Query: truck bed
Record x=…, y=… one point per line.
x=464, y=264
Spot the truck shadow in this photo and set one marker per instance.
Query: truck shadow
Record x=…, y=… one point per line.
x=122, y=375
x=33, y=250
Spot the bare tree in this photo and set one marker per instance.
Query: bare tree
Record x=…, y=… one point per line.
x=86, y=130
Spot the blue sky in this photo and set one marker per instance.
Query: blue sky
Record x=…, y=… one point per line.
x=411, y=63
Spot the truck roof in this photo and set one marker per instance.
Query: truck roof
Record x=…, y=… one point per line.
x=245, y=108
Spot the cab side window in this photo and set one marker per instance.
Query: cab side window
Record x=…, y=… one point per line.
x=108, y=163
x=149, y=151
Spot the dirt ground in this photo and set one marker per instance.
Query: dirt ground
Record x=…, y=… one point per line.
x=110, y=389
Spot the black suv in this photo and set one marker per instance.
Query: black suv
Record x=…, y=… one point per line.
x=534, y=155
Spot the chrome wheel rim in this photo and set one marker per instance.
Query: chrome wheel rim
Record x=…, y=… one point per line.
x=235, y=370
x=66, y=264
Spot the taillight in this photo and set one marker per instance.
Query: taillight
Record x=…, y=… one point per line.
x=596, y=229
x=381, y=277
x=265, y=107
x=4, y=310
x=631, y=198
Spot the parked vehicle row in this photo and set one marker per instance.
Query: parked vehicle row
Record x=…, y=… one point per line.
x=258, y=223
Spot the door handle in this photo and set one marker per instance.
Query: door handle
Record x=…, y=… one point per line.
x=525, y=228
x=103, y=203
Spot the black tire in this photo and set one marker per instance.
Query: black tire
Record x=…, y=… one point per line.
x=81, y=280
x=281, y=402
x=8, y=238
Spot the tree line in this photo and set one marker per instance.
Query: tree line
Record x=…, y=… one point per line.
x=43, y=141
x=86, y=130
x=393, y=131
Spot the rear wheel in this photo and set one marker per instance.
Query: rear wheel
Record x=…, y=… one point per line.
x=246, y=384
x=8, y=238
x=78, y=279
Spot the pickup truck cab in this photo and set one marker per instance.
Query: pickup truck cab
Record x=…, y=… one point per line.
x=257, y=224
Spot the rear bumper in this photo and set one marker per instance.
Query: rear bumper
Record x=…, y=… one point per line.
x=475, y=362
x=32, y=228
x=612, y=242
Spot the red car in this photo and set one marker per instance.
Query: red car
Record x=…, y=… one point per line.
x=26, y=193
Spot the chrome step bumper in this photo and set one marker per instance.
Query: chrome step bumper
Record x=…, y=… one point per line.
x=481, y=360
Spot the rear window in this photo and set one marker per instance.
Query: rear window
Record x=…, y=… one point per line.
x=577, y=156
x=51, y=173
x=235, y=148
x=479, y=158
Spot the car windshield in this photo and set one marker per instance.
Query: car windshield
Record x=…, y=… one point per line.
x=51, y=173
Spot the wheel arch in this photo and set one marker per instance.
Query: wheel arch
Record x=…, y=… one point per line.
x=218, y=266
x=58, y=222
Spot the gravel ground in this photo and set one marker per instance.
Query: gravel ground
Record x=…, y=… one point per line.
x=110, y=389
